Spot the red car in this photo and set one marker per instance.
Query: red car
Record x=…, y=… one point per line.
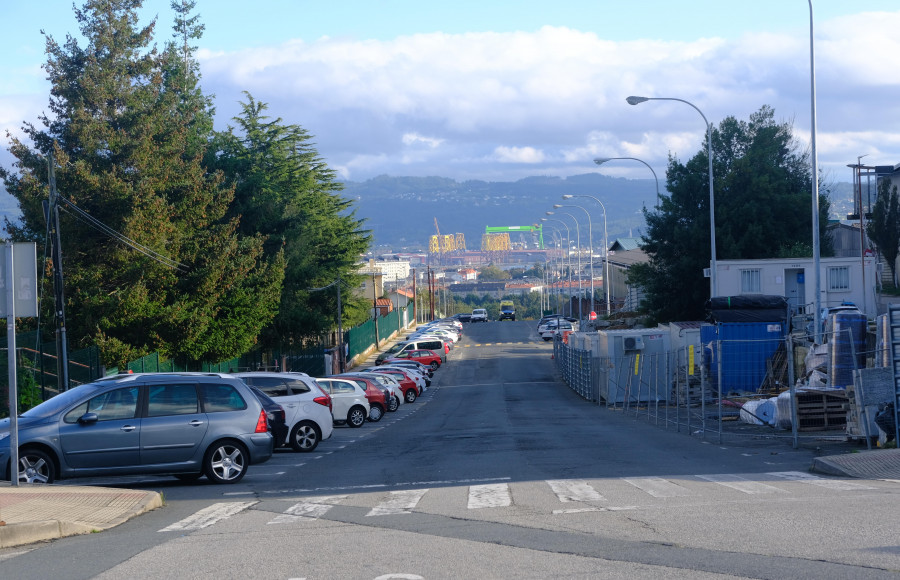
x=406, y=383
x=426, y=357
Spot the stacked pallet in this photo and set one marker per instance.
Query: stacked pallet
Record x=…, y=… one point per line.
x=820, y=411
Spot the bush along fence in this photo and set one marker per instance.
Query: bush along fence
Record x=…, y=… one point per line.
x=782, y=387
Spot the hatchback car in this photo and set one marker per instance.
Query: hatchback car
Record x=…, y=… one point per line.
x=307, y=407
x=182, y=424
x=350, y=403
x=377, y=394
x=276, y=416
x=386, y=381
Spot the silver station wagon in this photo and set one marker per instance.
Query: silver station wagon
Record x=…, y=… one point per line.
x=181, y=424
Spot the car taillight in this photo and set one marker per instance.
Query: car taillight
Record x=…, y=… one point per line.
x=324, y=401
x=262, y=425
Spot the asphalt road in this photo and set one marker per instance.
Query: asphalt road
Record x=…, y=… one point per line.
x=500, y=471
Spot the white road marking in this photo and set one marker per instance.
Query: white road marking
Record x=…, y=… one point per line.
x=574, y=490
x=208, y=516
x=594, y=509
x=837, y=484
x=311, y=509
x=658, y=487
x=741, y=484
x=488, y=496
x=399, y=502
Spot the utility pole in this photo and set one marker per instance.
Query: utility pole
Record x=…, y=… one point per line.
x=340, y=328
x=62, y=347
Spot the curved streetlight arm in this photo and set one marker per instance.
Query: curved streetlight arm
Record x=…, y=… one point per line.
x=602, y=160
x=632, y=100
x=606, y=280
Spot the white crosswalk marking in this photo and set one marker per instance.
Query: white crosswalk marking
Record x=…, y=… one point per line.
x=311, y=509
x=741, y=484
x=490, y=495
x=819, y=481
x=208, y=516
x=658, y=487
x=574, y=490
x=400, y=502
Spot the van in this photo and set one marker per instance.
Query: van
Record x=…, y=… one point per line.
x=434, y=344
x=507, y=310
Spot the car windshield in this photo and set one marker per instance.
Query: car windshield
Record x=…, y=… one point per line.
x=60, y=401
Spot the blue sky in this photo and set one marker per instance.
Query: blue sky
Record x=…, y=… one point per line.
x=505, y=90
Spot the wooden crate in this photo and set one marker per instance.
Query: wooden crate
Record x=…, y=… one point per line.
x=819, y=411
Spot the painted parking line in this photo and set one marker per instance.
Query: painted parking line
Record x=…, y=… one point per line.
x=208, y=516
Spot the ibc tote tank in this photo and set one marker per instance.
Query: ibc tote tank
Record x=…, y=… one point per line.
x=848, y=340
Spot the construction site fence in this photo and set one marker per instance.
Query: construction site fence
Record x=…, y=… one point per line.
x=686, y=390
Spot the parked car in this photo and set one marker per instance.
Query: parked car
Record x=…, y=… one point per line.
x=387, y=381
x=424, y=369
x=554, y=317
x=426, y=357
x=307, y=407
x=377, y=395
x=276, y=416
x=350, y=403
x=182, y=424
x=435, y=344
x=411, y=390
x=479, y=315
x=552, y=328
x=463, y=316
x=421, y=378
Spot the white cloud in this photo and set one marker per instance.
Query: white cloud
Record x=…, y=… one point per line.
x=518, y=155
x=416, y=139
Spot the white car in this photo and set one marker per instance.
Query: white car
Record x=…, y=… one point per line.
x=386, y=380
x=479, y=315
x=549, y=330
x=307, y=407
x=348, y=399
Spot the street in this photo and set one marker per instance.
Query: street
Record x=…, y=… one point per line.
x=499, y=471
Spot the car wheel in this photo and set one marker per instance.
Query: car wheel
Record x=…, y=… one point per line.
x=546, y=338
x=434, y=365
x=226, y=462
x=375, y=413
x=305, y=436
x=410, y=396
x=188, y=476
x=35, y=466
x=356, y=416
x=394, y=404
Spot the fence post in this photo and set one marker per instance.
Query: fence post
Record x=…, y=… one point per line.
x=793, y=391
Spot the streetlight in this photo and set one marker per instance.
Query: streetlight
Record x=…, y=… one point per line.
x=590, y=242
x=606, y=281
x=568, y=255
x=815, y=185
x=602, y=160
x=712, y=209
x=578, y=236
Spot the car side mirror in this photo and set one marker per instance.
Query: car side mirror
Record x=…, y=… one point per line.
x=88, y=418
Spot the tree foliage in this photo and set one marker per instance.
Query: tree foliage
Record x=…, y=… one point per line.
x=762, y=189
x=128, y=126
x=884, y=227
x=285, y=192
x=493, y=273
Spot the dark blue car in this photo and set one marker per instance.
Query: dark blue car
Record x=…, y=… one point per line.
x=182, y=424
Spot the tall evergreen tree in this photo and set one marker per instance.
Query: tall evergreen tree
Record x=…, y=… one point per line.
x=884, y=227
x=128, y=126
x=287, y=193
x=762, y=200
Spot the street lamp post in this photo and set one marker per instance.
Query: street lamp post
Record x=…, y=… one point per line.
x=578, y=236
x=815, y=184
x=590, y=242
x=606, y=280
x=568, y=255
x=712, y=208
x=602, y=160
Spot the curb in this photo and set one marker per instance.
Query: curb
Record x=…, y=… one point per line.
x=18, y=534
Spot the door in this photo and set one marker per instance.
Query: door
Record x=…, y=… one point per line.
x=103, y=432
x=795, y=289
x=174, y=426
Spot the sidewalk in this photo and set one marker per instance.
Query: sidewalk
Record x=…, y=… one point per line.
x=875, y=464
x=33, y=513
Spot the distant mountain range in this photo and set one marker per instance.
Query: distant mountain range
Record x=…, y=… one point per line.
x=401, y=211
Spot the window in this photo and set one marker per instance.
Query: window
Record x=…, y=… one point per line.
x=298, y=387
x=163, y=400
x=219, y=398
x=272, y=386
x=116, y=404
x=839, y=278
x=750, y=281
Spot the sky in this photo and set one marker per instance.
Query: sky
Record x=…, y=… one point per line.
x=502, y=90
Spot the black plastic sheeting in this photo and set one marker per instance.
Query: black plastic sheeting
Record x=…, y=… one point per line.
x=747, y=308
